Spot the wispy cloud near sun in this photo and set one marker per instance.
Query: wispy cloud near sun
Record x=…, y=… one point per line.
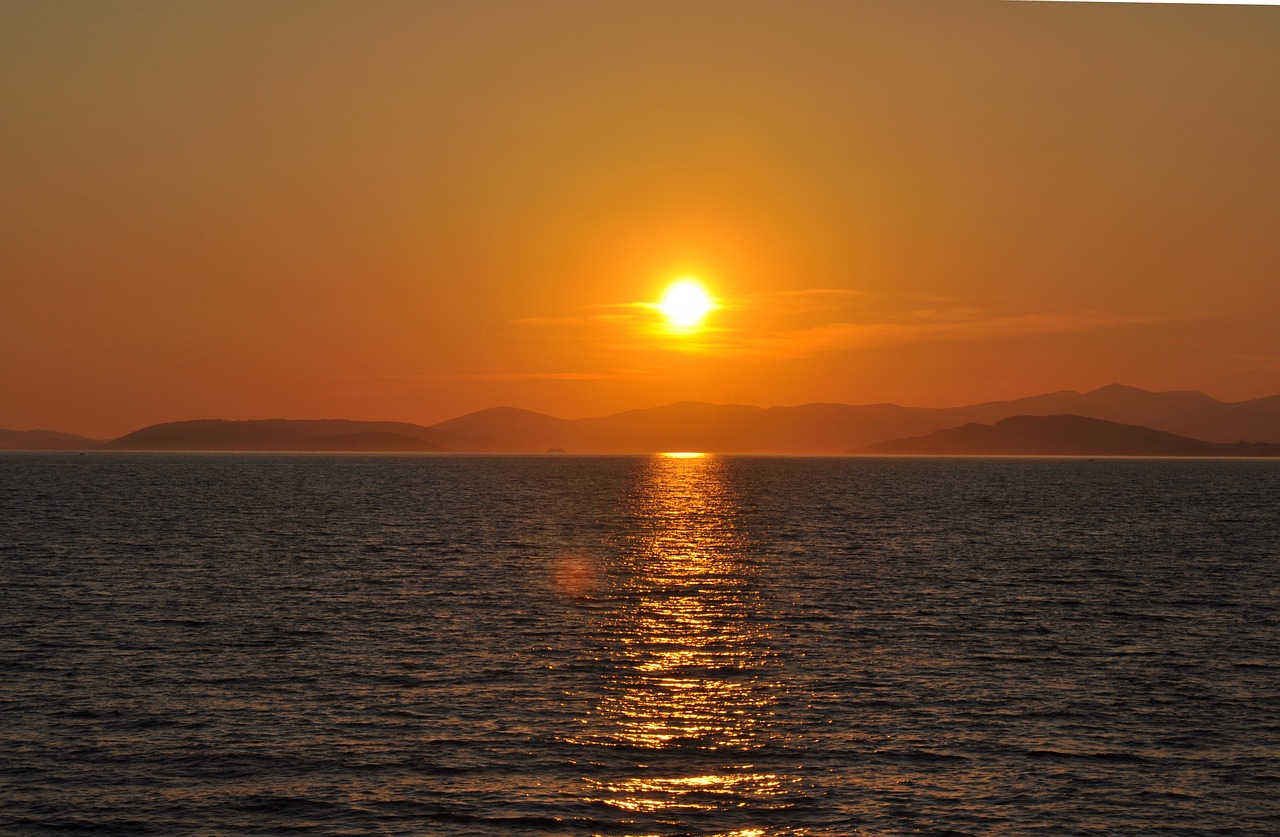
x=920, y=326
x=798, y=323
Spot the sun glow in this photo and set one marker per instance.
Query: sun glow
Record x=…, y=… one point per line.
x=686, y=303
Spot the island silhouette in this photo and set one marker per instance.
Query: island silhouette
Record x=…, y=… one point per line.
x=1065, y=435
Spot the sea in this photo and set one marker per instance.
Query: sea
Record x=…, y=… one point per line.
x=675, y=644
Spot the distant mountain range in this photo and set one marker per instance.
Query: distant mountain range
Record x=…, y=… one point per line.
x=1180, y=420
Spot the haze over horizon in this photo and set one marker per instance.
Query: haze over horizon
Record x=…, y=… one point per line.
x=407, y=212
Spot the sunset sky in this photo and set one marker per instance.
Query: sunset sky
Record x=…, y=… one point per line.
x=408, y=211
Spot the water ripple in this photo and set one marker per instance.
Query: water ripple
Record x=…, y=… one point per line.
x=637, y=645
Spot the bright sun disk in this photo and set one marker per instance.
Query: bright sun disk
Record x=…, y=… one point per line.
x=686, y=303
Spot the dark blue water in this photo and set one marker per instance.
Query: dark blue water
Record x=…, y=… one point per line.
x=560, y=645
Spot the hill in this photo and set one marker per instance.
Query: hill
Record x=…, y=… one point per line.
x=290, y=435
x=44, y=440
x=511, y=429
x=1064, y=435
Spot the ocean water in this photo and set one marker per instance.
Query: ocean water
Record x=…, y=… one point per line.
x=563, y=645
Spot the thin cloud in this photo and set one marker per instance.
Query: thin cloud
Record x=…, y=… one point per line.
x=834, y=293
x=809, y=322
x=450, y=376
x=546, y=321
x=931, y=326
x=522, y=376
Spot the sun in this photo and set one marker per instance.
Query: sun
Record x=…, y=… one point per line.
x=686, y=303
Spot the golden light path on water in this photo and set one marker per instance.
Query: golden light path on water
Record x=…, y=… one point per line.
x=687, y=698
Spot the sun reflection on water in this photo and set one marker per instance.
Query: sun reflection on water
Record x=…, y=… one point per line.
x=687, y=695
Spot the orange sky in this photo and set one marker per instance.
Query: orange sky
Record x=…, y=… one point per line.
x=412, y=210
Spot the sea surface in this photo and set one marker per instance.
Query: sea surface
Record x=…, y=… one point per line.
x=657, y=645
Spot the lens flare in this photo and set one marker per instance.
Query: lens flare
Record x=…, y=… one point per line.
x=686, y=303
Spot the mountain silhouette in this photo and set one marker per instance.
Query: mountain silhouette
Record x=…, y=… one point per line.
x=694, y=425
x=509, y=428
x=1191, y=414
x=290, y=435
x=1065, y=435
x=844, y=428
x=44, y=440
